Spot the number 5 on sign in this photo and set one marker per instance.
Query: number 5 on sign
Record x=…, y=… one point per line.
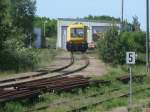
x=130, y=58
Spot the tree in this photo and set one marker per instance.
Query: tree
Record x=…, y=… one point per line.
x=50, y=26
x=103, y=18
x=23, y=13
x=4, y=21
x=108, y=46
x=112, y=48
x=136, y=24
x=16, y=21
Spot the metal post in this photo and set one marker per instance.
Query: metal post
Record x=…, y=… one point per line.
x=44, y=29
x=122, y=16
x=30, y=42
x=130, y=87
x=147, y=36
x=44, y=33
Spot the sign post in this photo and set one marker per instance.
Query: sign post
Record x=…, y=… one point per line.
x=130, y=60
x=130, y=87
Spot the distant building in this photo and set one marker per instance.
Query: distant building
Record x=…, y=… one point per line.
x=94, y=27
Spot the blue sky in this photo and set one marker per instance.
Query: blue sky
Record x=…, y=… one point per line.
x=81, y=8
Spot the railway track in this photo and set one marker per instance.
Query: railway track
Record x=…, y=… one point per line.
x=40, y=72
x=61, y=68
x=23, y=87
x=78, y=104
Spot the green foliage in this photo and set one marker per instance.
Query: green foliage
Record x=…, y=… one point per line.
x=133, y=41
x=18, y=59
x=15, y=56
x=108, y=46
x=50, y=25
x=112, y=48
x=51, y=28
x=45, y=57
x=14, y=15
x=16, y=23
x=4, y=21
x=23, y=12
x=105, y=18
x=13, y=107
x=115, y=103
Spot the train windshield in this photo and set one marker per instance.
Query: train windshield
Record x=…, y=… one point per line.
x=77, y=32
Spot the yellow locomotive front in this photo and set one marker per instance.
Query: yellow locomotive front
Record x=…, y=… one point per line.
x=77, y=37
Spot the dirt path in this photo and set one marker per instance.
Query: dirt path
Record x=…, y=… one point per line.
x=96, y=68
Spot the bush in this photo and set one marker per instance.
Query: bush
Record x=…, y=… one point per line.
x=133, y=41
x=17, y=60
x=16, y=57
x=112, y=48
x=108, y=46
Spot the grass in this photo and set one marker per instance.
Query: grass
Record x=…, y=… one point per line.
x=119, y=102
x=140, y=100
x=80, y=93
x=12, y=107
x=6, y=73
x=115, y=84
x=47, y=98
x=30, y=60
x=107, y=105
x=44, y=56
x=52, y=42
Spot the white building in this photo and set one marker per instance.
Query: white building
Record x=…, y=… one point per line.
x=94, y=26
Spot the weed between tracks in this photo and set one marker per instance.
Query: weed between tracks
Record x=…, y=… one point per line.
x=60, y=102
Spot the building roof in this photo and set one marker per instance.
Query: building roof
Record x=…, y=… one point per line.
x=85, y=20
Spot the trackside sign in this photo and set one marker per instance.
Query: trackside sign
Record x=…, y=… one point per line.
x=130, y=58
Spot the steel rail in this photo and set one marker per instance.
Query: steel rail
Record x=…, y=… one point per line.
x=114, y=93
x=57, y=83
x=41, y=72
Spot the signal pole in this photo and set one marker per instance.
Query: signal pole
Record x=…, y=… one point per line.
x=44, y=33
x=44, y=28
x=147, y=36
x=122, y=15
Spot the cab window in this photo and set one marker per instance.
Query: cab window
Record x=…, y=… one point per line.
x=77, y=32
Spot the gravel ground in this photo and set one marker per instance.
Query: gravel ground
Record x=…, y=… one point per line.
x=96, y=68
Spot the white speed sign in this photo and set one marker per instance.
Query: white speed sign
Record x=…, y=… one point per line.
x=130, y=58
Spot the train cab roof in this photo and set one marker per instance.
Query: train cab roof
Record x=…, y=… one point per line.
x=77, y=25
